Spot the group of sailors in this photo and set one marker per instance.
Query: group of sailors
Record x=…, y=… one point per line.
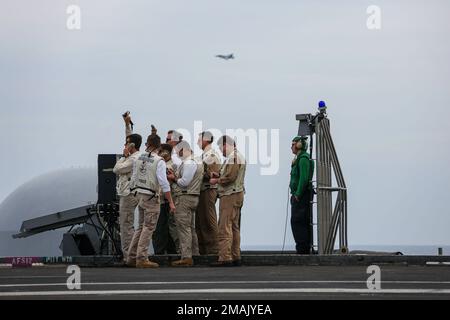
x=176, y=195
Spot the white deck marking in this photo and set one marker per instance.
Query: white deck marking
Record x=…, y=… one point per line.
x=197, y=291
x=31, y=277
x=12, y=285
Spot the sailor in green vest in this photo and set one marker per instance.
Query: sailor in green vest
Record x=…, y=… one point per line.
x=300, y=184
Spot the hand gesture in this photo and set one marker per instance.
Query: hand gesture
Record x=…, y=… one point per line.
x=171, y=176
x=215, y=175
x=127, y=119
x=126, y=152
x=172, y=207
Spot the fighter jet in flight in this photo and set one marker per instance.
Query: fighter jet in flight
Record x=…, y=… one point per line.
x=225, y=57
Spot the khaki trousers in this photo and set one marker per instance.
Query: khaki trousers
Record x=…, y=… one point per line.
x=148, y=218
x=206, y=222
x=127, y=207
x=229, y=226
x=186, y=205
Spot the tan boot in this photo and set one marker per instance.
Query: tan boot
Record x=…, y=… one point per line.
x=146, y=264
x=186, y=262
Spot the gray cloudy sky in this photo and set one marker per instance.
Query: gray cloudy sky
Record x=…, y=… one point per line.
x=62, y=93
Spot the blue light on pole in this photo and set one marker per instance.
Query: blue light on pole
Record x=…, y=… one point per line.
x=322, y=106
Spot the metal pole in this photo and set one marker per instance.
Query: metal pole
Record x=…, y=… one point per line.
x=341, y=183
x=344, y=224
x=329, y=180
x=329, y=195
x=330, y=219
x=320, y=199
x=331, y=235
x=338, y=170
x=311, y=198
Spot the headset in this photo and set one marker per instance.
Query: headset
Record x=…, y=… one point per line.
x=299, y=143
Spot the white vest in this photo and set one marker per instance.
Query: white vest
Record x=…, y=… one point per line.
x=194, y=187
x=144, y=178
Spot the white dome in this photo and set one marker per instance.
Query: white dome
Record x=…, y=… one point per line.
x=46, y=194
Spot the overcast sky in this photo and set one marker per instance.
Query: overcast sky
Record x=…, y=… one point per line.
x=62, y=93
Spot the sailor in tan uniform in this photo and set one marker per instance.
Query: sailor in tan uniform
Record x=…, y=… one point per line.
x=173, y=138
x=149, y=175
x=206, y=216
x=187, y=183
x=127, y=201
x=231, y=191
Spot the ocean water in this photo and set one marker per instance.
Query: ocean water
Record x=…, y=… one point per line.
x=47, y=244
x=405, y=249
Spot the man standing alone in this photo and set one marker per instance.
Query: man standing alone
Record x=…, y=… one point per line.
x=301, y=175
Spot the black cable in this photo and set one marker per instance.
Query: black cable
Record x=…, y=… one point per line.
x=285, y=223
